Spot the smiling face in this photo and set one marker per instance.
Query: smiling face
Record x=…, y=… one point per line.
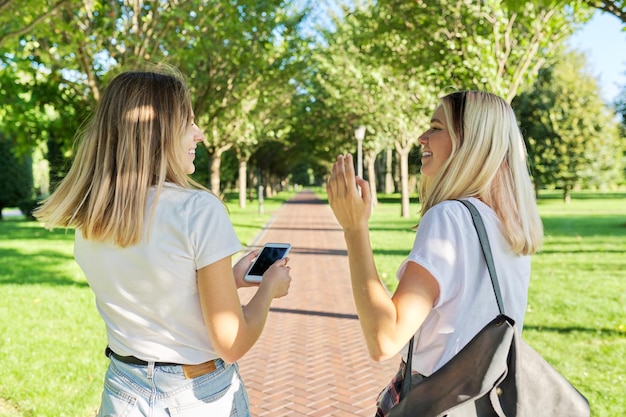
x=436, y=144
x=190, y=140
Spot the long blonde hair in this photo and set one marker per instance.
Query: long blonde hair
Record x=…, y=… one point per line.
x=488, y=161
x=132, y=143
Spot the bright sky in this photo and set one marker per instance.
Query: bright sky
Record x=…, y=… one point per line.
x=604, y=43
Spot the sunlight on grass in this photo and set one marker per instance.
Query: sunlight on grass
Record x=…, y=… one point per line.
x=52, y=338
x=577, y=299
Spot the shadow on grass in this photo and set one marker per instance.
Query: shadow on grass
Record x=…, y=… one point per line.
x=37, y=267
x=581, y=251
x=20, y=229
x=575, y=329
x=581, y=195
x=44, y=268
x=585, y=226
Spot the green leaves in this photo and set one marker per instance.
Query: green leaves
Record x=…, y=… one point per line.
x=571, y=137
x=260, y=71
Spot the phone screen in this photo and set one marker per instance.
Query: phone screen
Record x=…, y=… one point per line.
x=266, y=258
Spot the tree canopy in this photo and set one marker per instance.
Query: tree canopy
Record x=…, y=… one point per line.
x=270, y=82
x=570, y=134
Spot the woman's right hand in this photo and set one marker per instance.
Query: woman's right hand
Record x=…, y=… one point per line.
x=277, y=278
x=233, y=328
x=351, y=208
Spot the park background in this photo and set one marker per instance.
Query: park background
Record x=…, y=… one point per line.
x=280, y=88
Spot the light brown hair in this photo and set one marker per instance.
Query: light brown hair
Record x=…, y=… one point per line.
x=131, y=143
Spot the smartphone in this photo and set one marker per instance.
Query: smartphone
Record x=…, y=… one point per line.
x=270, y=253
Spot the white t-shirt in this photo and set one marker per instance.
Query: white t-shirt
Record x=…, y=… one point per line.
x=447, y=245
x=147, y=294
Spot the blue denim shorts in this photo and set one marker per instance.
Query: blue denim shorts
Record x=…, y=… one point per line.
x=163, y=391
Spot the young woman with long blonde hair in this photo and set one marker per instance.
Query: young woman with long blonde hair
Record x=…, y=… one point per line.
x=156, y=249
x=473, y=150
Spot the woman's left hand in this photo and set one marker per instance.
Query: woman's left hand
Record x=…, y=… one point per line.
x=241, y=267
x=351, y=208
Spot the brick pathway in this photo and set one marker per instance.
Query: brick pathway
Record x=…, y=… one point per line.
x=311, y=359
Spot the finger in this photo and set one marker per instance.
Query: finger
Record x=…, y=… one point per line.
x=366, y=194
x=350, y=176
x=349, y=164
x=281, y=262
x=336, y=179
x=340, y=172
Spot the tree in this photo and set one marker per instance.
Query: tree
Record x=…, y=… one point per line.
x=231, y=51
x=239, y=58
x=16, y=178
x=620, y=108
x=17, y=18
x=363, y=91
x=614, y=7
x=488, y=45
x=58, y=53
x=620, y=105
x=383, y=64
x=571, y=135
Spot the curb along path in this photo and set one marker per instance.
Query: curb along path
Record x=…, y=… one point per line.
x=311, y=359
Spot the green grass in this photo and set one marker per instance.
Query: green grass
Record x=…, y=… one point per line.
x=52, y=338
x=577, y=299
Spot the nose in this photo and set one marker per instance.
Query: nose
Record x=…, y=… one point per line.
x=199, y=136
x=423, y=138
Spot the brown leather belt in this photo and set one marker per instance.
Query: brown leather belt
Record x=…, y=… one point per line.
x=191, y=371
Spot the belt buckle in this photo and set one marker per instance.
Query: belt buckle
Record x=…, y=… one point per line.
x=194, y=371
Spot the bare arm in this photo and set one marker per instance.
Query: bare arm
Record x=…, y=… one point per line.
x=234, y=329
x=387, y=322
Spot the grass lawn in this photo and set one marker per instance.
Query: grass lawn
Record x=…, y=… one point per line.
x=52, y=338
x=577, y=300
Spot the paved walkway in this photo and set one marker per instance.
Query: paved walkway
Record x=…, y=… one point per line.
x=311, y=359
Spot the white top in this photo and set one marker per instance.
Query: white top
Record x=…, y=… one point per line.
x=147, y=294
x=447, y=245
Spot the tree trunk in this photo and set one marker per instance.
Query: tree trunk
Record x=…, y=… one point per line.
x=389, y=188
x=215, y=166
x=403, y=154
x=567, y=193
x=370, y=159
x=243, y=182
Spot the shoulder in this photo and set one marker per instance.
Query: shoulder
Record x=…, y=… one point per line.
x=456, y=212
x=190, y=198
x=449, y=211
x=452, y=219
